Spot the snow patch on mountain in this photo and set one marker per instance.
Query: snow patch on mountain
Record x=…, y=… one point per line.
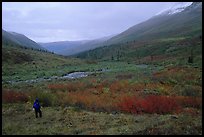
x=176, y=8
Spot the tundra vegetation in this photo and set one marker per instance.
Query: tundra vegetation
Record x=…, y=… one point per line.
x=160, y=97
x=146, y=80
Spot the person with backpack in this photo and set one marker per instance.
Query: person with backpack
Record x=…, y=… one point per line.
x=37, y=107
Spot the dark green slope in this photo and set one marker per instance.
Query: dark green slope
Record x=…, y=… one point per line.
x=16, y=39
x=25, y=64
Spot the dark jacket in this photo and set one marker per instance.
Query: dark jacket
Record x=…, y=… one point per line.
x=36, y=104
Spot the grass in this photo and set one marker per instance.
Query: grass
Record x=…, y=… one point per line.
x=38, y=65
x=19, y=119
x=175, y=127
x=172, y=50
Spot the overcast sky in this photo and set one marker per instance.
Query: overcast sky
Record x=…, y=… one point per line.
x=70, y=21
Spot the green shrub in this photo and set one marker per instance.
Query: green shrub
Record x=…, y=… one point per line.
x=190, y=91
x=46, y=99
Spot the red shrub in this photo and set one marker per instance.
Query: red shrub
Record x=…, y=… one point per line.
x=149, y=104
x=71, y=87
x=160, y=104
x=9, y=96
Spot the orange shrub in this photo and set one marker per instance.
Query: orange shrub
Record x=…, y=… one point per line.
x=160, y=104
x=119, y=86
x=137, y=87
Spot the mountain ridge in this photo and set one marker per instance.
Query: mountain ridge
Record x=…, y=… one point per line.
x=73, y=47
x=17, y=39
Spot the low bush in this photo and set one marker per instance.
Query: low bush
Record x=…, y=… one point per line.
x=9, y=96
x=45, y=98
x=191, y=91
x=194, y=102
x=148, y=104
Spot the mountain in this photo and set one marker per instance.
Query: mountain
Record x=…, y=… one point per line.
x=73, y=47
x=171, y=35
x=183, y=23
x=13, y=38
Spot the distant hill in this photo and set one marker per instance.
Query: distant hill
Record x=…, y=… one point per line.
x=60, y=47
x=73, y=47
x=16, y=39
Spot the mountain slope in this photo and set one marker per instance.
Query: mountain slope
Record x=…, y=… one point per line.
x=26, y=64
x=187, y=22
x=13, y=38
x=161, y=38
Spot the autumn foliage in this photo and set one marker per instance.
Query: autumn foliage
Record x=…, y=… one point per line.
x=9, y=96
x=117, y=95
x=157, y=104
x=149, y=104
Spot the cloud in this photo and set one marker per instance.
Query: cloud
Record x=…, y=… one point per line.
x=51, y=21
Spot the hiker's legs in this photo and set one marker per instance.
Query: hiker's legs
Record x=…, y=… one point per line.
x=36, y=113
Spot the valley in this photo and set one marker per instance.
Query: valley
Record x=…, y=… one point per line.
x=140, y=82
x=106, y=96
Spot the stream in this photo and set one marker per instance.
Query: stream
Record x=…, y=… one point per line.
x=73, y=75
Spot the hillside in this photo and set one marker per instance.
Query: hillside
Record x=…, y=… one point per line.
x=178, y=22
x=24, y=64
x=16, y=39
x=181, y=24
x=162, y=38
